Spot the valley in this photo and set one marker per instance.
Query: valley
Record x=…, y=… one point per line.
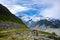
x=13, y=28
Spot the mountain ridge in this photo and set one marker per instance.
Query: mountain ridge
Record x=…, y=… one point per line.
x=54, y=23
x=7, y=18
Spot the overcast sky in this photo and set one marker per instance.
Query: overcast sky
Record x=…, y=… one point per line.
x=46, y=8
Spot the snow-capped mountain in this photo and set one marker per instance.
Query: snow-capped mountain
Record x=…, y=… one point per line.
x=45, y=24
x=32, y=21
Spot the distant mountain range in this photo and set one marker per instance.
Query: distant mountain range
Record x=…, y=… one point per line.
x=48, y=22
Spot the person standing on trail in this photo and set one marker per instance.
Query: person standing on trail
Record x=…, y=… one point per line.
x=35, y=32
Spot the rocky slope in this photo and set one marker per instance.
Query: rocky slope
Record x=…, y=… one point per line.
x=7, y=19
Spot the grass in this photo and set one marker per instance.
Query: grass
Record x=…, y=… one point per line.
x=8, y=33
x=12, y=34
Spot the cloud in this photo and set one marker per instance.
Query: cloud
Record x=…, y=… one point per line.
x=13, y=6
x=17, y=8
x=46, y=8
x=53, y=11
x=6, y=2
